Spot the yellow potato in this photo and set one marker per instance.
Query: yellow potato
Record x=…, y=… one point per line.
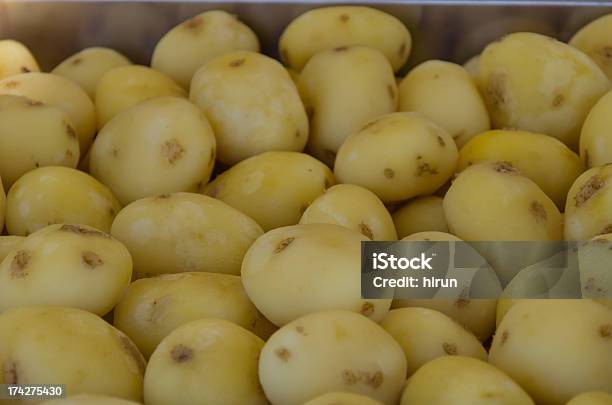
x=87, y=67
x=193, y=43
x=33, y=135
x=162, y=145
x=594, y=40
x=555, y=349
x=342, y=398
x=151, y=308
x=592, y=398
x=87, y=399
x=330, y=27
x=273, y=188
x=15, y=58
x=9, y=243
x=57, y=345
x=252, y=104
x=397, y=156
x=595, y=139
x=59, y=92
x=421, y=214
x=67, y=265
x=334, y=82
x=55, y=195
x=445, y=93
x=546, y=161
x=125, y=86
x=353, y=207
x=534, y=83
x=209, y=361
x=331, y=351
x=184, y=232
x=462, y=380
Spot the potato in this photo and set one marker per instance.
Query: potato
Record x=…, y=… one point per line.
x=551, y=94
x=353, y=207
x=595, y=141
x=588, y=210
x=462, y=381
x=397, y=156
x=592, y=398
x=86, y=399
x=59, y=92
x=331, y=351
x=326, y=28
x=555, y=349
x=445, y=93
x=493, y=201
x=9, y=243
x=193, y=43
x=296, y=270
x=50, y=344
x=87, y=67
x=125, y=86
x=163, y=145
x=56, y=195
x=472, y=66
x=421, y=214
x=594, y=40
x=355, y=79
x=151, y=308
x=342, y=398
x=184, y=232
x=543, y=159
x=273, y=188
x=15, y=58
x=33, y=135
x=209, y=361
x=595, y=276
x=252, y=104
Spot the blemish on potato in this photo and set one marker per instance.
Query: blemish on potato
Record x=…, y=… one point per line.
x=34, y=103
x=284, y=56
x=172, y=150
x=164, y=196
x=402, y=49
x=588, y=190
x=11, y=84
x=389, y=173
x=69, y=130
x=539, y=212
x=441, y=141
x=132, y=351
x=607, y=229
x=496, y=90
x=237, y=62
x=504, y=337
x=505, y=168
x=340, y=49
x=111, y=211
x=76, y=61
x=462, y=302
x=344, y=17
x=37, y=164
x=282, y=353
x=366, y=231
x=558, y=100
x=20, y=262
x=115, y=152
x=449, y=349
x=297, y=134
x=374, y=380
x=25, y=69
x=349, y=377
x=181, y=353
x=284, y=244
x=425, y=168
x=458, y=134
x=605, y=331
x=68, y=154
x=82, y=231
x=300, y=329
x=91, y=259
x=367, y=309
x=606, y=53
x=194, y=24
x=9, y=372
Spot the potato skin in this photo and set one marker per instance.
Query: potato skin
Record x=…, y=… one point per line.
x=252, y=104
x=56, y=194
x=445, y=93
x=331, y=351
x=555, y=349
x=68, y=346
x=152, y=308
x=397, y=156
x=543, y=159
x=162, y=145
x=273, y=188
x=595, y=140
x=330, y=27
x=421, y=214
x=595, y=275
x=592, y=398
x=208, y=361
x=342, y=398
x=552, y=94
x=462, y=381
x=353, y=207
x=355, y=79
x=594, y=40
x=9, y=243
x=193, y=43
x=15, y=58
x=184, y=232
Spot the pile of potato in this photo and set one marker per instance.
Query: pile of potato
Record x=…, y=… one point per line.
x=189, y=232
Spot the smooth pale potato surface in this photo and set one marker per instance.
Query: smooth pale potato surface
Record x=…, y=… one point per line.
x=594, y=40
x=86, y=399
x=273, y=188
x=355, y=79
x=184, y=232
x=162, y=145
x=595, y=138
x=296, y=270
x=87, y=67
x=421, y=214
x=445, y=93
x=342, y=398
x=67, y=265
x=543, y=159
x=551, y=94
x=209, y=361
x=152, y=308
x=252, y=104
x=462, y=381
x=330, y=27
x=71, y=347
x=331, y=351
x=193, y=43
x=353, y=207
x=55, y=194
x=592, y=398
x=33, y=135
x=58, y=92
x=125, y=86
x=15, y=58
x=555, y=349
x=8, y=243
x=397, y=156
